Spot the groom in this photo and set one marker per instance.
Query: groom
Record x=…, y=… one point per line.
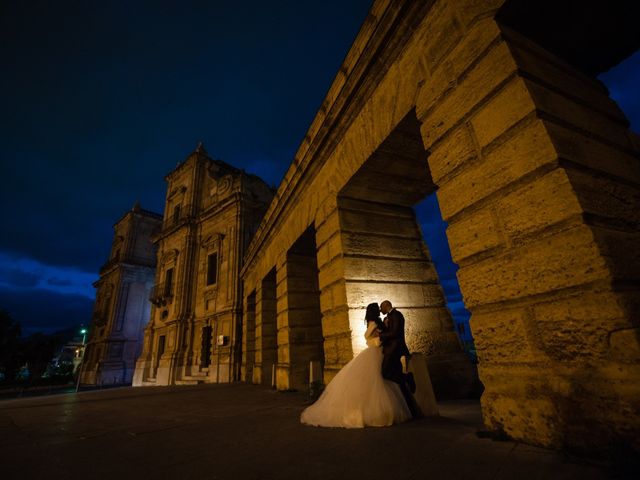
x=394, y=348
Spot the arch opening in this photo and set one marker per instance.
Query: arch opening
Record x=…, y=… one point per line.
x=386, y=256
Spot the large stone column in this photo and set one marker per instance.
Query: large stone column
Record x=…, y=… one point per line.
x=385, y=258
x=266, y=354
x=248, y=337
x=299, y=319
x=539, y=181
x=339, y=335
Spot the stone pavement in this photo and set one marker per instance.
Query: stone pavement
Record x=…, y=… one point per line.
x=244, y=431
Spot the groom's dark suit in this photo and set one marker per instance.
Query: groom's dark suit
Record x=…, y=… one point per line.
x=394, y=347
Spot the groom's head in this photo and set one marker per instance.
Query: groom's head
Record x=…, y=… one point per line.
x=385, y=307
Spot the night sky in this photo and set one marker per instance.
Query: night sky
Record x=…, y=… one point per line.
x=100, y=100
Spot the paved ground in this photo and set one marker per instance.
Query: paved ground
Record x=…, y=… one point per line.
x=243, y=431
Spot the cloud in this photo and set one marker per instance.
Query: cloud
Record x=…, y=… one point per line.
x=18, y=278
x=25, y=274
x=45, y=311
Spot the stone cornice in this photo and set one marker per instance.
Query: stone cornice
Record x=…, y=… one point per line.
x=381, y=38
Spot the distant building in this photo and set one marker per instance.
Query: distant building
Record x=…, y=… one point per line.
x=122, y=306
x=212, y=211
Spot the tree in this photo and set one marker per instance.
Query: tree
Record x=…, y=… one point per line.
x=10, y=346
x=37, y=350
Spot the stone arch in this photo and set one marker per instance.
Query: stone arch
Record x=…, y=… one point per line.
x=385, y=256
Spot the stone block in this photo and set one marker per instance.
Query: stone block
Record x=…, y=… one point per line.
x=430, y=319
x=607, y=198
x=377, y=209
x=326, y=302
x=625, y=346
x=516, y=157
x=577, y=329
x=455, y=149
x=545, y=201
x=445, y=32
x=282, y=377
x=336, y=323
x=622, y=250
x=522, y=417
x=398, y=247
x=567, y=259
x=381, y=269
x=331, y=272
x=323, y=255
x=578, y=115
x=302, y=300
x=474, y=234
x=333, y=296
x=432, y=343
x=370, y=223
x=594, y=154
x=329, y=228
x=469, y=11
x=338, y=350
x=510, y=105
x=570, y=82
x=335, y=247
x=504, y=336
x=360, y=294
x=464, y=54
x=494, y=68
x=283, y=348
x=301, y=266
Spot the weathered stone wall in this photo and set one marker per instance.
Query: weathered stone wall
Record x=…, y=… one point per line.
x=537, y=176
x=210, y=210
x=122, y=306
x=266, y=336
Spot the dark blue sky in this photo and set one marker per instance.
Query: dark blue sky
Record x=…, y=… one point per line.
x=101, y=99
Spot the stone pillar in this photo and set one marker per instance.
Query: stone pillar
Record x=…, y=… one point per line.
x=539, y=181
x=266, y=354
x=248, y=337
x=144, y=364
x=299, y=320
x=385, y=258
x=336, y=329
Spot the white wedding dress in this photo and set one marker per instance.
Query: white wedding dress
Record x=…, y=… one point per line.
x=358, y=396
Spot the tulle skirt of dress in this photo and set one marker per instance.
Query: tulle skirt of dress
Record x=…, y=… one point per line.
x=358, y=397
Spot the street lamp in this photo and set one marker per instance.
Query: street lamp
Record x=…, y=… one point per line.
x=83, y=332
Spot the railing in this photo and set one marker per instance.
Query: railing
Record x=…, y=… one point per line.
x=161, y=293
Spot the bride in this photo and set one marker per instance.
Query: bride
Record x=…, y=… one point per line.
x=358, y=396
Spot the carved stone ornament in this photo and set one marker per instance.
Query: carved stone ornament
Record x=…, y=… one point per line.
x=224, y=185
x=210, y=294
x=169, y=256
x=211, y=241
x=176, y=191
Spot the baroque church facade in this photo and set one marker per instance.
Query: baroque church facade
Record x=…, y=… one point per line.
x=194, y=333
x=122, y=308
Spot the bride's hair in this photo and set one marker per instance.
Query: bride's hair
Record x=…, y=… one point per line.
x=373, y=315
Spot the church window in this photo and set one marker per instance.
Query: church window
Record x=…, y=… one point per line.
x=212, y=269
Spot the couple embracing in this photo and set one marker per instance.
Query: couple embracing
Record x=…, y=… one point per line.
x=372, y=389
